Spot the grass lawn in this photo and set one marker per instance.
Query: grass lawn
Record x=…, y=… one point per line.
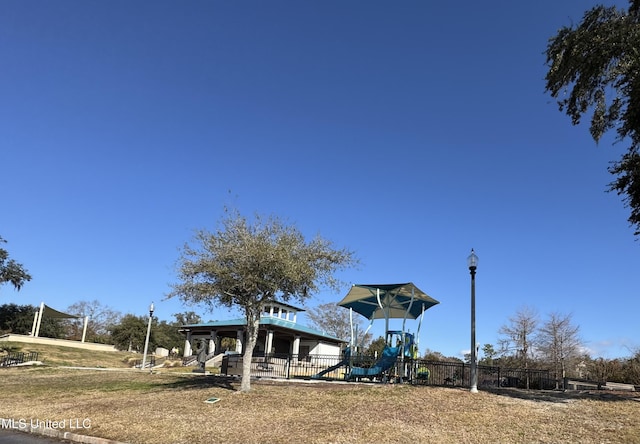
x=168, y=407
x=67, y=356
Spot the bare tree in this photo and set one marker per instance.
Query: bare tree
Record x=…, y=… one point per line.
x=634, y=368
x=102, y=319
x=559, y=343
x=602, y=369
x=333, y=319
x=518, y=337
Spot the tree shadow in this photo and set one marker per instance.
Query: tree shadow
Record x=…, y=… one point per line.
x=564, y=397
x=203, y=382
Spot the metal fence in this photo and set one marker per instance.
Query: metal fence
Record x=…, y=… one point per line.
x=15, y=358
x=286, y=366
x=440, y=373
x=149, y=362
x=538, y=379
x=458, y=374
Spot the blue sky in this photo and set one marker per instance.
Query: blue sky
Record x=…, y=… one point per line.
x=408, y=132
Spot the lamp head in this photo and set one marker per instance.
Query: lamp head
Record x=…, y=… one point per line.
x=472, y=260
x=151, y=309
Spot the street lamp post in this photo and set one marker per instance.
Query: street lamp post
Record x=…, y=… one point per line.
x=472, y=262
x=146, y=342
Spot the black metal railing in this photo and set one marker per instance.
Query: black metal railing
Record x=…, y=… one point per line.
x=15, y=358
x=439, y=373
x=189, y=360
x=537, y=379
x=150, y=362
x=287, y=366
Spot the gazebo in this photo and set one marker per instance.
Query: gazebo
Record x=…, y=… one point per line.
x=279, y=333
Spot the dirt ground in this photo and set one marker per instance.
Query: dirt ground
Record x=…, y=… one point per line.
x=164, y=407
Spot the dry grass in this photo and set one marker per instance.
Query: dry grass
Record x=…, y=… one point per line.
x=69, y=356
x=168, y=407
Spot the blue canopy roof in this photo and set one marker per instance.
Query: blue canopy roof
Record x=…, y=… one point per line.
x=380, y=301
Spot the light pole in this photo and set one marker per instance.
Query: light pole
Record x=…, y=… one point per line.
x=146, y=342
x=472, y=262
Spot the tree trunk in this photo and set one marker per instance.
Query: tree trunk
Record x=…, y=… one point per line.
x=253, y=322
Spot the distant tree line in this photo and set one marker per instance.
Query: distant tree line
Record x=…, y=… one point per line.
x=19, y=319
x=526, y=342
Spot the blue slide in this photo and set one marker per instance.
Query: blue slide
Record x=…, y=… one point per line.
x=344, y=362
x=386, y=361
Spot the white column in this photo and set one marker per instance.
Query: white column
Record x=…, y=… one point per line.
x=212, y=342
x=35, y=321
x=269, y=344
x=187, y=345
x=84, y=328
x=296, y=347
x=39, y=319
x=239, y=338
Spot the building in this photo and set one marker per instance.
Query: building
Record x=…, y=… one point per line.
x=279, y=333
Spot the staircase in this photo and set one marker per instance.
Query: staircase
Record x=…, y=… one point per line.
x=212, y=360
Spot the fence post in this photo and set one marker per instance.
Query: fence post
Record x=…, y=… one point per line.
x=464, y=374
x=225, y=365
x=288, y=367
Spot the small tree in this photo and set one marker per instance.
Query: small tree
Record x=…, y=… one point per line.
x=11, y=271
x=334, y=320
x=130, y=333
x=559, y=343
x=601, y=368
x=634, y=368
x=489, y=354
x=431, y=355
x=247, y=264
x=166, y=335
x=376, y=347
x=519, y=336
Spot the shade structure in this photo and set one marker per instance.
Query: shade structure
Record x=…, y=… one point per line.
x=52, y=313
x=49, y=312
x=384, y=301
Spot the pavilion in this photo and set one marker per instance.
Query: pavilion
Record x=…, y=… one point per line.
x=279, y=333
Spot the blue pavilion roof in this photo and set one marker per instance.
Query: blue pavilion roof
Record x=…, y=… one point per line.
x=267, y=320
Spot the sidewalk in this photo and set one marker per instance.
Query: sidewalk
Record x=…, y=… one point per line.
x=48, y=436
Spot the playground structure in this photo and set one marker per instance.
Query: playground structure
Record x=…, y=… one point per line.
x=397, y=362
